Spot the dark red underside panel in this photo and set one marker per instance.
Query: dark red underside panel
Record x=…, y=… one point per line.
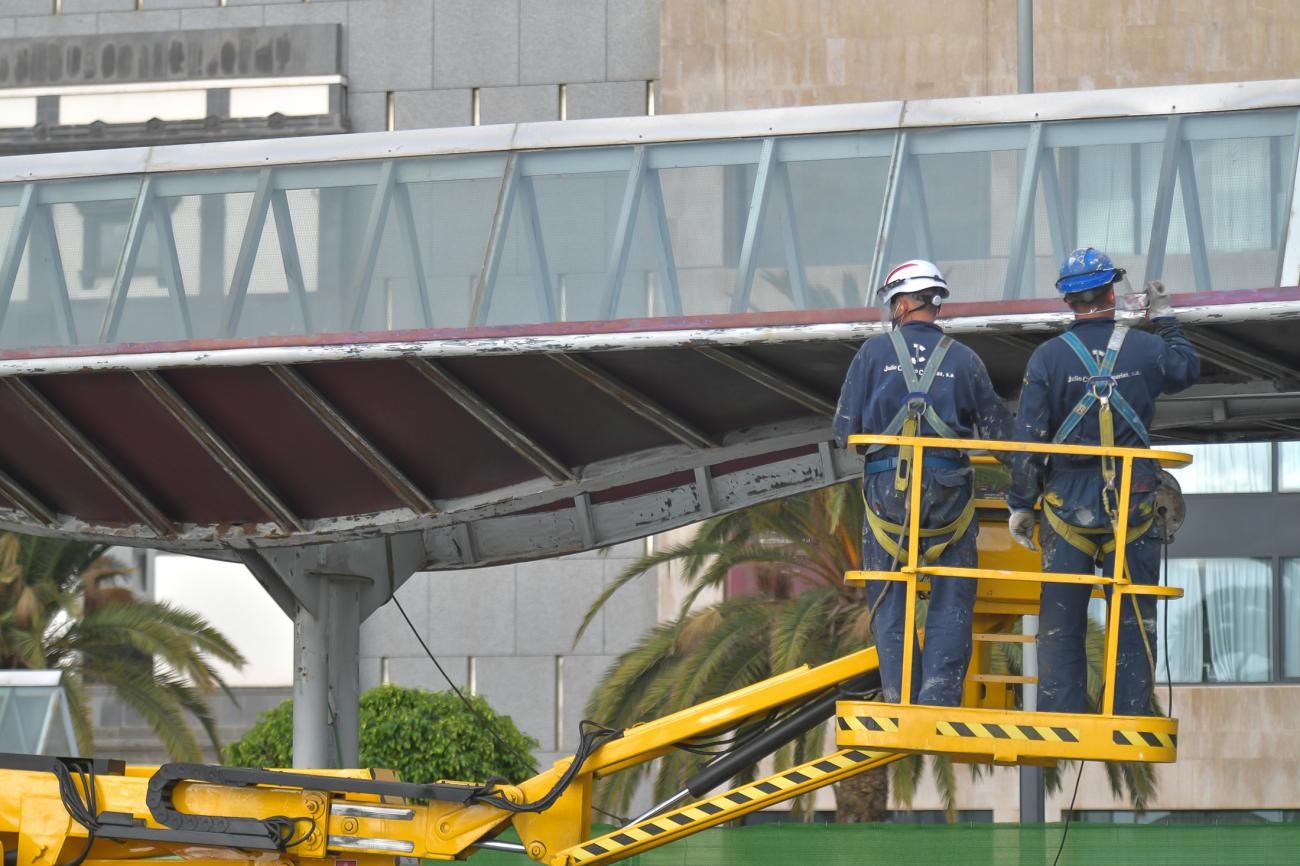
x=39, y=461
x=282, y=441
x=439, y=445
x=568, y=416
x=146, y=443
x=716, y=398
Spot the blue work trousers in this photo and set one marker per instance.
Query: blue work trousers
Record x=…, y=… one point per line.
x=1063, y=628
x=938, y=671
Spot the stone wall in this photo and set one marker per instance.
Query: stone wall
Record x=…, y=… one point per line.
x=733, y=54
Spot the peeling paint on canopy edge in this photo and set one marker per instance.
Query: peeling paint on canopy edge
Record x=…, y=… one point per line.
x=1039, y=315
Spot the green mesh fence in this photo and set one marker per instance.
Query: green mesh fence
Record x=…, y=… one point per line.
x=971, y=845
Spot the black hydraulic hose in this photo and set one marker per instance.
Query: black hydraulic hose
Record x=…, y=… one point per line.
x=11, y=857
x=799, y=722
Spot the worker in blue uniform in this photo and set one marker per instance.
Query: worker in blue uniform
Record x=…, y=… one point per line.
x=914, y=380
x=1095, y=384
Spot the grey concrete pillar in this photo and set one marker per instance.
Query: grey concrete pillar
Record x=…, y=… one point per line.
x=311, y=729
x=344, y=647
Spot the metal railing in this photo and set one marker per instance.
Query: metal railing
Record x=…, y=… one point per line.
x=784, y=210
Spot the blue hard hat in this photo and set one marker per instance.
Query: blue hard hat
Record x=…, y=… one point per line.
x=1085, y=269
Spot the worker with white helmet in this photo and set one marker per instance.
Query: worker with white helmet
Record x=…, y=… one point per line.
x=1095, y=384
x=914, y=380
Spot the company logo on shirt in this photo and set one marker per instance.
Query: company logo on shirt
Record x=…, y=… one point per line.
x=918, y=363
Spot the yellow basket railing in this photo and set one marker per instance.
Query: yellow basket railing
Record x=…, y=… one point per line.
x=912, y=571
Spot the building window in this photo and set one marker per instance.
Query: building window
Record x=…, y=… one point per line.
x=1221, y=630
x=1288, y=467
x=1290, y=631
x=1244, y=467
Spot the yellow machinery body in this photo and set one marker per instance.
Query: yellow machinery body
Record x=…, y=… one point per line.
x=60, y=812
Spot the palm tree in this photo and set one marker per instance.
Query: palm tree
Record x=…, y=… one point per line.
x=156, y=657
x=800, y=546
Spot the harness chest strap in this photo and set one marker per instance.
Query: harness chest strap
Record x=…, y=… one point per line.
x=916, y=406
x=1101, y=390
x=1099, y=375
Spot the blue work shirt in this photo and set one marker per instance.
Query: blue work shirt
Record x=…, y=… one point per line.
x=962, y=394
x=1148, y=365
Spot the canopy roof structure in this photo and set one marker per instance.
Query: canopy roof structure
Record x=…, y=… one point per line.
x=500, y=343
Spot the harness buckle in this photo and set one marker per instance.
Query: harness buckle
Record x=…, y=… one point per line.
x=917, y=402
x=1101, y=387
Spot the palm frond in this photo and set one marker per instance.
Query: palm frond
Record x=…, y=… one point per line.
x=800, y=624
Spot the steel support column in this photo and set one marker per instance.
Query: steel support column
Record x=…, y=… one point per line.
x=311, y=731
x=343, y=646
x=329, y=591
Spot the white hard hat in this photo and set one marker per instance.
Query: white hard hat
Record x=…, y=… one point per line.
x=914, y=276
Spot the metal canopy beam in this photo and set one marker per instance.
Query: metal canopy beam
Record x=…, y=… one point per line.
x=1164, y=205
x=507, y=431
x=665, y=419
x=1192, y=213
x=406, y=221
x=533, y=232
x=771, y=379
x=624, y=232
x=30, y=504
x=289, y=257
x=374, y=234
x=481, y=304
x=790, y=237
x=669, y=287
x=1242, y=357
x=15, y=245
x=1022, y=233
x=221, y=453
x=888, y=209
x=247, y=256
x=352, y=439
x=141, y=212
x=171, y=264
x=140, y=505
x=753, y=228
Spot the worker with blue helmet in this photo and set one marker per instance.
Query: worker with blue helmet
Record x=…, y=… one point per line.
x=1095, y=384
x=915, y=380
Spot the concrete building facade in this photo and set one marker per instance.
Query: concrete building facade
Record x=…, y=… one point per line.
x=508, y=632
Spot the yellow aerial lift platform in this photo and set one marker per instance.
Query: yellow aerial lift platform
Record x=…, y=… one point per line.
x=986, y=727
x=83, y=812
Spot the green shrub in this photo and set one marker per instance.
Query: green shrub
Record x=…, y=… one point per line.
x=424, y=736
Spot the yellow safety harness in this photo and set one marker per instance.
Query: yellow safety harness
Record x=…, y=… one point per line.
x=885, y=533
x=907, y=422
x=1102, y=393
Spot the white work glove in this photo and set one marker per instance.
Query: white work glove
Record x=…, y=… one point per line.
x=1158, y=300
x=1021, y=525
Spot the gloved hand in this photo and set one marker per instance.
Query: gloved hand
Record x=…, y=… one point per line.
x=1021, y=525
x=1158, y=300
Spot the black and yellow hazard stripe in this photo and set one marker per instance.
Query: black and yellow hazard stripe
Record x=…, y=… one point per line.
x=1145, y=738
x=991, y=731
x=883, y=724
x=739, y=801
